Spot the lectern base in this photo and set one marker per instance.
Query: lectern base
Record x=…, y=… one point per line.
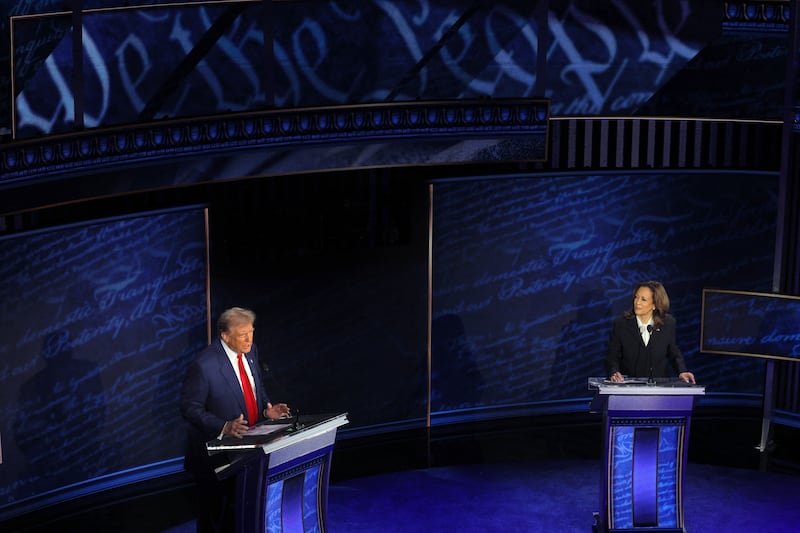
x=294, y=498
x=646, y=430
x=282, y=475
x=599, y=527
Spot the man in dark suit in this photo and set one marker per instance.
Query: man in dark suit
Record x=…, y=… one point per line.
x=642, y=342
x=223, y=394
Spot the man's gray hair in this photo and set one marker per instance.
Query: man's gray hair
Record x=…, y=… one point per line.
x=235, y=316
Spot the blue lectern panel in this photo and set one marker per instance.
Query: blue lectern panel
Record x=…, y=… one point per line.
x=293, y=501
x=634, y=459
x=621, y=505
x=311, y=518
x=292, y=512
x=670, y=458
x=274, y=497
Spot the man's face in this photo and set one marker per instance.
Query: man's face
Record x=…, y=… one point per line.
x=239, y=337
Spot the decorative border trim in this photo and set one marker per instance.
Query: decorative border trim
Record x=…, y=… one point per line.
x=293, y=128
x=763, y=15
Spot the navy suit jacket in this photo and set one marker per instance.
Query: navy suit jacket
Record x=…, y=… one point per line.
x=627, y=353
x=211, y=396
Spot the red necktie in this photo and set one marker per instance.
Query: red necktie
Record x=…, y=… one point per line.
x=249, y=397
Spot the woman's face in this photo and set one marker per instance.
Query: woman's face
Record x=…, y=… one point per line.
x=643, y=305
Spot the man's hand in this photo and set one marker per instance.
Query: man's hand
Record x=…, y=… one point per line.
x=279, y=410
x=236, y=427
x=688, y=377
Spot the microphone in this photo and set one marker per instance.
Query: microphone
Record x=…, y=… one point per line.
x=296, y=424
x=650, y=380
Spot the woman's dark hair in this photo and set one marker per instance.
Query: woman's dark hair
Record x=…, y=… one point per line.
x=660, y=301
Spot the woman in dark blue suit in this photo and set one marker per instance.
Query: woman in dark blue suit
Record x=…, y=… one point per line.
x=213, y=401
x=642, y=342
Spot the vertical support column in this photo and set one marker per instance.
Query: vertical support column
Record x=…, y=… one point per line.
x=781, y=381
x=768, y=406
x=787, y=257
x=429, y=331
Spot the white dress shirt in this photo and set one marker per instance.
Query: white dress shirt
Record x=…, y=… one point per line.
x=643, y=329
x=233, y=357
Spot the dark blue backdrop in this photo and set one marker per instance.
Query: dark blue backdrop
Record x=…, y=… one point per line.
x=529, y=273
x=98, y=322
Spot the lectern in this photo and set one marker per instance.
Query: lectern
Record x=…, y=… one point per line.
x=646, y=435
x=282, y=471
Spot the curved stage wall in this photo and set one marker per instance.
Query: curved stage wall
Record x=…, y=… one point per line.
x=528, y=274
x=531, y=258
x=98, y=322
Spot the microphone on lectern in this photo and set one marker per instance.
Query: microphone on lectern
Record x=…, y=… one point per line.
x=650, y=380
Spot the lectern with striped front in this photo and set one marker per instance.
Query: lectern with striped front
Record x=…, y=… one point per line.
x=646, y=433
x=281, y=474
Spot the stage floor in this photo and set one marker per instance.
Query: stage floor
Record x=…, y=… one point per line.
x=557, y=496
x=526, y=478
x=530, y=497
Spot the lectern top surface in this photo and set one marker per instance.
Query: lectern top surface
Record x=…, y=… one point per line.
x=645, y=387
x=283, y=429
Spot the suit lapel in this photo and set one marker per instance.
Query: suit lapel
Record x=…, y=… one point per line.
x=636, y=333
x=228, y=374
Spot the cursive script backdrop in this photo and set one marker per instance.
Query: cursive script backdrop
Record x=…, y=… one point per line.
x=529, y=274
x=620, y=58
x=98, y=322
x=752, y=324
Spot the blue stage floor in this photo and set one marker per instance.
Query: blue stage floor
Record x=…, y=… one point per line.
x=548, y=496
x=542, y=479
x=551, y=496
